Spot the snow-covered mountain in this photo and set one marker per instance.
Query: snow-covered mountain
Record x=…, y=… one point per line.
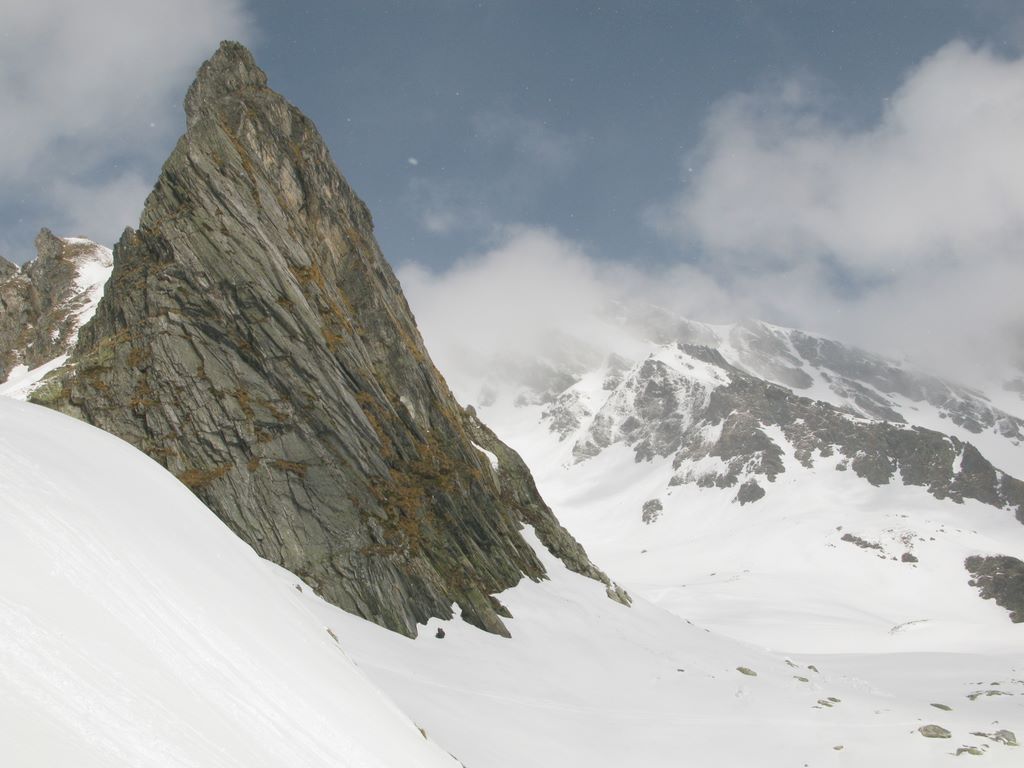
x=43, y=304
x=139, y=631
x=773, y=484
x=811, y=366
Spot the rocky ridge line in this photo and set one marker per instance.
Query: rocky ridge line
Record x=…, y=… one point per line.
x=715, y=421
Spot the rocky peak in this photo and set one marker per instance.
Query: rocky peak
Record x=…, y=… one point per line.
x=52, y=272
x=254, y=341
x=43, y=303
x=49, y=248
x=229, y=73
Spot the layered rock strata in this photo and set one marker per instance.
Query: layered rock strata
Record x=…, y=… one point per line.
x=254, y=341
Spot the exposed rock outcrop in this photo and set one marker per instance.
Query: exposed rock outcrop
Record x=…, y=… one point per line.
x=254, y=340
x=999, y=578
x=651, y=511
x=43, y=303
x=6, y=268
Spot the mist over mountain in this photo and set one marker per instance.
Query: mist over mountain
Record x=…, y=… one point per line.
x=534, y=285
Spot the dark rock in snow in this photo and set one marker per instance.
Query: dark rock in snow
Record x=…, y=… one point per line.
x=651, y=511
x=1000, y=578
x=1000, y=737
x=750, y=491
x=862, y=543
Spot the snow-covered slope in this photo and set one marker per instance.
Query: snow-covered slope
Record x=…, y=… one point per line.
x=825, y=562
x=137, y=630
x=584, y=681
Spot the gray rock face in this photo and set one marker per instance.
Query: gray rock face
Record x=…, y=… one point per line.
x=40, y=302
x=999, y=578
x=749, y=492
x=565, y=415
x=6, y=269
x=254, y=341
x=652, y=410
x=651, y=511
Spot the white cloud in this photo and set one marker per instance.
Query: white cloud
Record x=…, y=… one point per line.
x=534, y=296
x=439, y=221
x=101, y=210
x=508, y=299
x=940, y=175
x=444, y=205
x=87, y=86
x=906, y=235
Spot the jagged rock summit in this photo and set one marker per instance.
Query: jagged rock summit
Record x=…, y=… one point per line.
x=44, y=302
x=253, y=340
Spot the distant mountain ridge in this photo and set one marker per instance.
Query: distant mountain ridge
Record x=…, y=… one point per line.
x=686, y=402
x=707, y=391
x=639, y=448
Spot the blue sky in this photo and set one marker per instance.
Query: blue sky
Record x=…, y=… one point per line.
x=574, y=115
x=689, y=143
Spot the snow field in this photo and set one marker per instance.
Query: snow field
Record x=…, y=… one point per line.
x=137, y=630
